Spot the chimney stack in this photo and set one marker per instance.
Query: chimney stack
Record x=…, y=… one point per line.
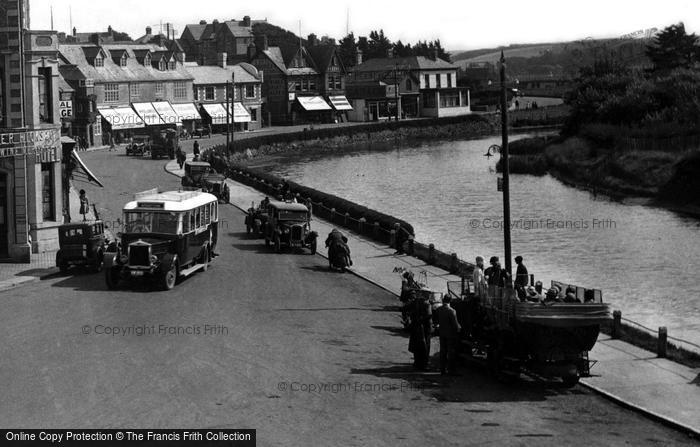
x=95, y=39
x=75, y=31
x=160, y=40
x=261, y=42
x=312, y=40
x=246, y=21
x=221, y=59
x=110, y=31
x=251, y=51
x=149, y=30
x=435, y=54
x=358, y=57
x=202, y=22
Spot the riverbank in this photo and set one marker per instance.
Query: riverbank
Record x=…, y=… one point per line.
x=661, y=178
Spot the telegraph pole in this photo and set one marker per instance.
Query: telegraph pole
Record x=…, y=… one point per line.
x=228, y=112
x=506, y=168
x=233, y=100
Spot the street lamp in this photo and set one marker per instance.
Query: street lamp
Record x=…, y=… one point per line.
x=505, y=184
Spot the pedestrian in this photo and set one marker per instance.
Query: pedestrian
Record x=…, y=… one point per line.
x=449, y=332
x=195, y=149
x=181, y=157
x=495, y=275
x=419, y=340
x=110, y=140
x=84, y=204
x=478, y=277
x=521, y=275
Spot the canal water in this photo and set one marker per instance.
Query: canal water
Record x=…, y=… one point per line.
x=643, y=258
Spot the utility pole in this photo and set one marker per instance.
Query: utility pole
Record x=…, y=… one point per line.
x=396, y=89
x=506, y=168
x=233, y=100
x=228, y=112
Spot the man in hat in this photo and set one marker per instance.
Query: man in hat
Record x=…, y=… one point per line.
x=478, y=277
x=495, y=275
x=449, y=332
x=521, y=275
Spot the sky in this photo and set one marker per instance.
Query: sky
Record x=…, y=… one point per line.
x=459, y=25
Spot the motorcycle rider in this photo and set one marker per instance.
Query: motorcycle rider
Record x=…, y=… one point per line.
x=337, y=240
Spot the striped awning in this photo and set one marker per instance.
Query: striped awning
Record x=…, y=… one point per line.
x=147, y=113
x=216, y=111
x=187, y=111
x=120, y=118
x=240, y=113
x=340, y=103
x=312, y=103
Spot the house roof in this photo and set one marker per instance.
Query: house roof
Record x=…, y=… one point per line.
x=322, y=55
x=411, y=62
x=81, y=66
x=213, y=74
x=282, y=56
x=236, y=27
x=196, y=30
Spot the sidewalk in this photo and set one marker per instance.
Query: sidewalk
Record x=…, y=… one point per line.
x=631, y=376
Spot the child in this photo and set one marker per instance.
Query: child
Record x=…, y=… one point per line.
x=84, y=204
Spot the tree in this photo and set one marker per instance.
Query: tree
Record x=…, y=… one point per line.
x=347, y=50
x=378, y=45
x=674, y=48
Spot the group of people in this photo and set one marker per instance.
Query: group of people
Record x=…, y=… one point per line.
x=338, y=250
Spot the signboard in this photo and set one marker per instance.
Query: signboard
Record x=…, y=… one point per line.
x=292, y=96
x=66, y=109
x=44, y=144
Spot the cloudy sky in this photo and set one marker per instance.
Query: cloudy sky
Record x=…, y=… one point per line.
x=463, y=24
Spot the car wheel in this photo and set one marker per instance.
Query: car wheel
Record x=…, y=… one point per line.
x=112, y=278
x=99, y=263
x=170, y=277
x=278, y=244
x=204, y=260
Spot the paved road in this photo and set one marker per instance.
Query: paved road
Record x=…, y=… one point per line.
x=305, y=356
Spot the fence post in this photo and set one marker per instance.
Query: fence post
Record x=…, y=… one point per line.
x=663, y=340
x=396, y=241
x=453, y=263
x=410, y=244
x=345, y=220
x=392, y=238
x=332, y=215
x=431, y=254
x=361, y=224
x=375, y=230
x=617, y=324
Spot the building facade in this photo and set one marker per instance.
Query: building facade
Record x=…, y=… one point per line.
x=204, y=42
x=31, y=202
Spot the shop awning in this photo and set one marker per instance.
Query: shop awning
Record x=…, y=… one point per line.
x=167, y=113
x=312, y=103
x=81, y=171
x=216, y=112
x=147, y=113
x=120, y=118
x=187, y=111
x=340, y=103
x=240, y=113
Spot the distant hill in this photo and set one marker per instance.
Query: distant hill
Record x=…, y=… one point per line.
x=562, y=59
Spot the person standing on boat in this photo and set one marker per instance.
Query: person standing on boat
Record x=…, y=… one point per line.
x=495, y=275
x=449, y=332
x=521, y=275
x=478, y=277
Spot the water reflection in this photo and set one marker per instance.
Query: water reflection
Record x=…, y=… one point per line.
x=642, y=257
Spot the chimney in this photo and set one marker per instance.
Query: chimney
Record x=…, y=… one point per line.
x=110, y=31
x=435, y=54
x=251, y=51
x=221, y=59
x=75, y=31
x=246, y=21
x=160, y=40
x=389, y=53
x=312, y=40
x=202, y=22
x=358, y=57
x=149, y=30
x=261, y=42
x=95, y=39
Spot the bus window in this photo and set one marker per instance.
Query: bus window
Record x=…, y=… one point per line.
x=207, y=214
x=186, y=222
x=197, y=218
x=214, y=212
x=193, y=221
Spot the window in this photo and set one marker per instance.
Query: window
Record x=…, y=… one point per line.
x=206, y=211
x=122, y=61
x=331, y=82
x=171, y=65
x=250, y=91
x=161, y=65
x=47, y=195
x=134, y=90
x=297, y=86
x=409, y=85
x=99, y=61
x=312, y=84
x=97, y=127
x=180, y=90
x=426, y=78
x=160, y=89
x=45, y=97
x=438, y=78
x=449, y=79
x=209, y=94
x=449, y=99
x=253, y=115
x=147, y=60
x=111, y=92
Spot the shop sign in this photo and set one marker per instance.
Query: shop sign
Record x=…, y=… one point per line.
x=44, y=144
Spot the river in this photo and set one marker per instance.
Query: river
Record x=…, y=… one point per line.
x=643, y=258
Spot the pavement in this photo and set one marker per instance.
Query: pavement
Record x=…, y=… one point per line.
x=658, y=388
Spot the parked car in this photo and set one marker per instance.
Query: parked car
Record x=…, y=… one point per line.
x=255, y=220
x=164, y=143
x=289, y=224
x=167, y=236
x=195, y=171
x=215, y=184
x=81, y=243
x=201, y=132
x=140, y=145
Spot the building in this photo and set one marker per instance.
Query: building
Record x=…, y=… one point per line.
x=31, y=200
x=423, y=87
x=110, y=78
x=204, y=42
x=332, y=76
x=210, y=86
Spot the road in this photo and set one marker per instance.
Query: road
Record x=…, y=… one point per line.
x=268, y=341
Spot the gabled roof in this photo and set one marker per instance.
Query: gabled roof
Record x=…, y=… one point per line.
x=215, y=75
x=235, y=27
x=141, y=54
x=322, y=55
x=92, y=52
x=196, y=30
x=117, y=55
x=411, y=62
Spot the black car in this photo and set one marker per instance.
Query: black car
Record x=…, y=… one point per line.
x=81, y=243
x=289, y=224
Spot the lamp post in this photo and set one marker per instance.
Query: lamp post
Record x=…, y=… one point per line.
x=506, y=167
x=396, y=90
x=233, y=100
x=228, y=112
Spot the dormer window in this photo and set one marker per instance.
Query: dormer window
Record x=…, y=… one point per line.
x=171, y=65
x=334, y=62
x=122, y=61
x=162, y=65
x=99, y=61
x=147, y=60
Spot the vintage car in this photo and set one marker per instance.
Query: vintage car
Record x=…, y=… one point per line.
x=81, y=243
x=140, y=145
x=289, y=224
x=200, y=132
x=215, y=184
x=256, y=219
x=164, y=143
x=167, y=235
x=195, y=171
